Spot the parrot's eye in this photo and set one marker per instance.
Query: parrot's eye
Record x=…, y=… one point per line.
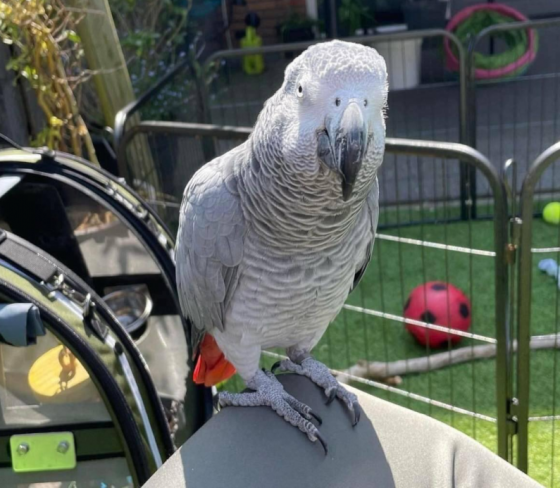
x=337, y=102
x=300, y=91
x=365, y=102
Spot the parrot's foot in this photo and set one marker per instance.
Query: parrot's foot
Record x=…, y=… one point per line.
x=270, y=392
x=321, y=376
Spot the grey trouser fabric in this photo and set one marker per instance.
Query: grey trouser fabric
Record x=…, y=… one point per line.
x=390, y=447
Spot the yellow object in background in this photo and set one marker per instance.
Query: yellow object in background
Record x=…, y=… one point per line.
x=58, y=377
x=253, y=64
x=551, y=213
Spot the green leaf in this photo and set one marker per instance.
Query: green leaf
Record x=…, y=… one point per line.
x=73, y=37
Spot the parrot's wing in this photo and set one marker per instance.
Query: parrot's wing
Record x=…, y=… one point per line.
x=209, y=245
x=372, y=203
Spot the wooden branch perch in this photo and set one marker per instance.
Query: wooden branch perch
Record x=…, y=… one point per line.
x=391, y=372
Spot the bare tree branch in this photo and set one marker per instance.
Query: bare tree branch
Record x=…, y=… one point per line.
x=393, y=370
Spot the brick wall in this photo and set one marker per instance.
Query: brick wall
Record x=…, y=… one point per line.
x=271, y=12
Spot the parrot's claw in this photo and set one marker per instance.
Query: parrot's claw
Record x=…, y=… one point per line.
x=357, y=411
x=316, y=417
x=321, y=376
x=322, y=441
x=270, y=392
x=216, y=402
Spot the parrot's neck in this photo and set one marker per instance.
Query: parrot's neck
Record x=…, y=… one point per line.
x=292, y=198
x=301, y=209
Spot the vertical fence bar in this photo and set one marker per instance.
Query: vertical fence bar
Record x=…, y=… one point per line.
x=514, y=221
x=468, y=175
x=512, y=404
x=503, y=376
x=524, y=320
x=466, y=125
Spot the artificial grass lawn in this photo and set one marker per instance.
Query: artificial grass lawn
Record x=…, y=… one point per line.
x=394, y=271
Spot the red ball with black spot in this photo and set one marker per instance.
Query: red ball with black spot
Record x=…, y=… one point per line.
x=437, y=303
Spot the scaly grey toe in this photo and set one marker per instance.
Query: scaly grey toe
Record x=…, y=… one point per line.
x=322, y=377
x=269, y=392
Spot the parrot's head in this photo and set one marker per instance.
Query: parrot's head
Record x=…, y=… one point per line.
x=334, y=96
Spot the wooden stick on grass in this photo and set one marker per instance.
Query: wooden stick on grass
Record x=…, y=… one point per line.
x=391, y=372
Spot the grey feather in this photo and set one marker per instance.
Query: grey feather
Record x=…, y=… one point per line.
x=373, y=210
x=209, y=244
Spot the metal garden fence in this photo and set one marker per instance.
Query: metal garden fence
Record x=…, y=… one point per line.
x=421, y=238
x=427, y=102
x=513, y=118
x=233, y=98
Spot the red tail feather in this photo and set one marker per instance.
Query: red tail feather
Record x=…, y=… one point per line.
x=211, y=367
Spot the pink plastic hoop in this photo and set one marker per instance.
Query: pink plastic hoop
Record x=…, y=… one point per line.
x=528, y=57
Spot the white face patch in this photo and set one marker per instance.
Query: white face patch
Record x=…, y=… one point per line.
x=328, y=76
x=318, y=87
x=321, y=101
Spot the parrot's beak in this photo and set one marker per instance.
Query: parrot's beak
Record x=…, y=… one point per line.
x=350, y=145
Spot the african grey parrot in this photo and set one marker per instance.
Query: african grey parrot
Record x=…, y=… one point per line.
x=274, y=234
